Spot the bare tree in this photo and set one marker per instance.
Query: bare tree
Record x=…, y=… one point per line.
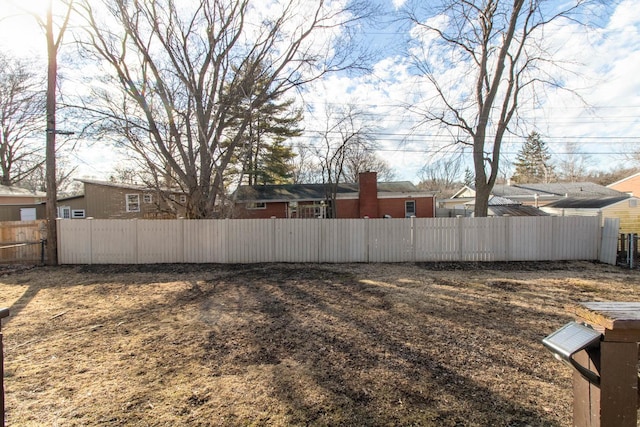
x=444, y=175
x=363, y=159
x=574, y=165
x=305, y=166
x=497, y=48
x=184, y=71
x=347, y=131
x=22, y=110
x=37, y=179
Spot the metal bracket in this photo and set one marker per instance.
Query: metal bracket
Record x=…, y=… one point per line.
x=569, y=340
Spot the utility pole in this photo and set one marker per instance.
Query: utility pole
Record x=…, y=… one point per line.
x=53, y=44
x=52, y=185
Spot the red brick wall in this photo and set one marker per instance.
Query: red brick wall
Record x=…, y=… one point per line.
x=348, y=208
x=368, y=183
x=395, y=207
x=277, y=209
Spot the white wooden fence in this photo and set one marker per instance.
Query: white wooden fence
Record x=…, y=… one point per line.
x=609, y=245
x=329, y=240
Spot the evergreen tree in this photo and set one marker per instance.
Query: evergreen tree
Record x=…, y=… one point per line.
x=263, y=157
x=533, y=162
x=469, y=177
x=276, y=166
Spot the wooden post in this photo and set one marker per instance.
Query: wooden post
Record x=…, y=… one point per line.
x=4, y=312
x=614, y=402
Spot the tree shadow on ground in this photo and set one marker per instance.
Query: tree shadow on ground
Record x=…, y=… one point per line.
x=344, y=354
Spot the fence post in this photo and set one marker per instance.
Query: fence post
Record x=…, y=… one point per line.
x=368, y=240
x=413, y=237
x=4, y=312
x=274, y=243
x=460, y=239
x=507, y=237
x=634, y=256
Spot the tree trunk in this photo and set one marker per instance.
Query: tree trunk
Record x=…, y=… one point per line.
x=483, y=189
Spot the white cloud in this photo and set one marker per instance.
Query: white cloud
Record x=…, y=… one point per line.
x=398, y=3
x=604, y=72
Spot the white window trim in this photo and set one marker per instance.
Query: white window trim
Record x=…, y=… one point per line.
x=131, y=205
x=415, y=208
x=78, y=214
x=64, y=212
x=147, y=198
x=256, y=205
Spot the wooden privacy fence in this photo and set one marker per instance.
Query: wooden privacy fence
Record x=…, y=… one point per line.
x=328, y=240
x=21, y=241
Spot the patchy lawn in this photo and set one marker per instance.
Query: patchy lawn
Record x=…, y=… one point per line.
x=292, y=344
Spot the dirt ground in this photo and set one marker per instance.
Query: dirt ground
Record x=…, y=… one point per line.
x=292, y=344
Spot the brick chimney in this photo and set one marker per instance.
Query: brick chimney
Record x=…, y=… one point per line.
x=368, y=194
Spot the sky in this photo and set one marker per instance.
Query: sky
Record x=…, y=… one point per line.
x=603, y=121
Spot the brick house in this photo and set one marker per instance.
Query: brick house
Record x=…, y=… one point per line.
x=367, y=198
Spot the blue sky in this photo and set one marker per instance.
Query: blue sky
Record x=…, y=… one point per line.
x=605, y=127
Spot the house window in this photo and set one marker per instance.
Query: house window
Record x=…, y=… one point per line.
x=633, y=203
x=147, y=198
x=409, y=208
x=317, y=209
x=256, y=205
x=64, y=212
x=133, y=202
x=77, y=213
x=28, y=214
x=183, y=199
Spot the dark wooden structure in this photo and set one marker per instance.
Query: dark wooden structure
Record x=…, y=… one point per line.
x=614, y=402
x=4, y=312
x=628, y=252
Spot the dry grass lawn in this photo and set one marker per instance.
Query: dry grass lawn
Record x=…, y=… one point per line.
x=291, y=344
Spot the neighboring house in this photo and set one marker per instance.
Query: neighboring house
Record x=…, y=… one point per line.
x=501, y=206
x=20, y=204
x=625, y=207
x=73, y=207
x=109, y=200
x=629, y=185
x=537, y=195
x=498, y=206
x=367, y=198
